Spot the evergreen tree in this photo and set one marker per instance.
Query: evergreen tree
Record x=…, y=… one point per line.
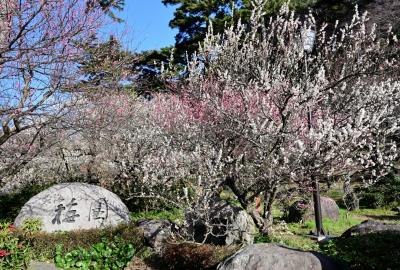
x=107, y=66
x=193, y=17
x=107, y=6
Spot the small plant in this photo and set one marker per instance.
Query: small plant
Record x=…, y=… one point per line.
x=45, y=244
x=14, y=253
x=32, y=224
x=261, y=238
x=107, y=254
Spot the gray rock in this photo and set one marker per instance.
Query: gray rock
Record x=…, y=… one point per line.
x=302, y=210
x=156, y=232
x=74, y=206
x=370, y=226
x=228, y=223
x=273, y=257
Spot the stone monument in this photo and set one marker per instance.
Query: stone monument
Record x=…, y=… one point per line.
x=74, y=206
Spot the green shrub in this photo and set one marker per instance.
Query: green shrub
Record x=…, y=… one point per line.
x=372, y=200
x=385, y=193
x=14, y=252
x=32, y=225
x=372, y=251
x=12, y=203
x=45, y=244
x=115, y=254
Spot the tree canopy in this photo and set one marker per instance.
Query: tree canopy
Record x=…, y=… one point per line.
x=107, y=6
x=192, y=17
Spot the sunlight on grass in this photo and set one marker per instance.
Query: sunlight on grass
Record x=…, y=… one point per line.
x=337, y=227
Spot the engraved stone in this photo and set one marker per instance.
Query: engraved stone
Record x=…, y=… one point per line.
x=75, y=206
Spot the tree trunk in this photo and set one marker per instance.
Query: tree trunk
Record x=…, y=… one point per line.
x=350, y=198
x=269, y=198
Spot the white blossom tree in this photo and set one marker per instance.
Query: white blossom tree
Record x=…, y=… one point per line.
x=272, y=114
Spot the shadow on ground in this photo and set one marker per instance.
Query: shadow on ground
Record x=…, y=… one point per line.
x=384, y=217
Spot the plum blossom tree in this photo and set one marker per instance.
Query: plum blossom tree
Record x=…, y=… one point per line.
x=38, y=55
x=271, y=115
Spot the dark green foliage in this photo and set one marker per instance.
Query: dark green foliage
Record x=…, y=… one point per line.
x=107, y=254
x=385, y=193
x=297, y=211
x=194, y=256
x=372, y=200
x=108, y=6
x=44, y=244
x=193, y=17
x=106, y=65
x=12, y=203
x=379, y=250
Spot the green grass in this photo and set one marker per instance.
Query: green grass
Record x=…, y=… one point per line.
x=301, y=242
x=174, y=215
x=295, y=234
x=374, y=212
x=333, y=227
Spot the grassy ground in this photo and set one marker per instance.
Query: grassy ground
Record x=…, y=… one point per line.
x=174, y=215
x=295, y=234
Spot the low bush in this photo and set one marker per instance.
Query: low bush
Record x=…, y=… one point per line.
x=372, y=199
x=44, y=244
x=15, y=253
x=195, y=256
x=385, y=193
x=372, y=251
x=107, y=254
x=32, y=225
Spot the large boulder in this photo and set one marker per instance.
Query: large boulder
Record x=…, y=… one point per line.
x=224, y=224
x=370, y=226
x=302, y=210
x=156, y=232
x=74, y=206
x=273, y=257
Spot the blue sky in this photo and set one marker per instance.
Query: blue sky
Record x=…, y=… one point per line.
x=146, y=25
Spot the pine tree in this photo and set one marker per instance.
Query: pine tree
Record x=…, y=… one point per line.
x=107, y=6
x=193, y=17
x=107, y=66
